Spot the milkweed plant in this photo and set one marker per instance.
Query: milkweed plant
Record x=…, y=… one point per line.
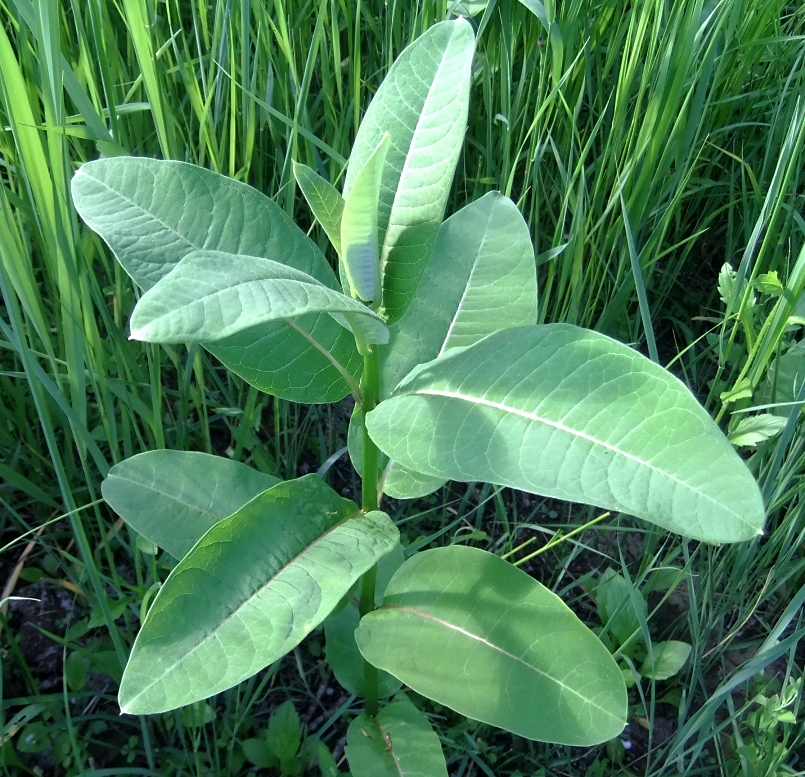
x=430, y=325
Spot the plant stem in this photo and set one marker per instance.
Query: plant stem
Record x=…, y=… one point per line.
x=367, y=604
x=371, y=388
x=369, y=502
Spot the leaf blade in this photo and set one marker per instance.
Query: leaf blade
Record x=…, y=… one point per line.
x=422, y=104
x=572, y=414
x=359, y=249
x=324, y=199
x=251, y=589
x=480, y=279
x=152, y=213
x=212, y=295
x=399, y=742
x=173, y=497
x=470, y=631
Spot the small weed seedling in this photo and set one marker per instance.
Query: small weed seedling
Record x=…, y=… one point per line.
x=432, y=329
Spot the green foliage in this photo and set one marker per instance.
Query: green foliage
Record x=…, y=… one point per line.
x=397, y=742
x=569, y=413
x=485, y=394
x=762, y=747
x=173, y=497
x=527, y=663
x=309, y=360
x=249, y=591
x=569, y=111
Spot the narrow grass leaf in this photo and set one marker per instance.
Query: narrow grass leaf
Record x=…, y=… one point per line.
x=173, y=497
x=252, y=588
x=572, y=414
x=470, y=631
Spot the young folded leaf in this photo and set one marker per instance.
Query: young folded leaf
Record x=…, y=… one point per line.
x=572, y=414
x=211, y=295
x=324, y=200
x=359, y=250
x=422, y=103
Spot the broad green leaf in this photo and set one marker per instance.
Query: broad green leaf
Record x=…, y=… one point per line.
x=249, y=591
x=480, y=278
x=359, y=249
x=750, y=430
x=400, y=482
x=399, y=742
x=324, y=200
x=467, y=629
x=422, y=104
x=395, y=481
x=284, y=732
x=572, y=414
x=211, y=295
x=620, y=607
x=153, y=213
x=258, y=753
x=668, y=659
x=173, y=497
x=346, y=660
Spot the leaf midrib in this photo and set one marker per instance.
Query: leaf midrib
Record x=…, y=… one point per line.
x=468, y=285
x=140, y=208
x=399, y=194
x=499, y=649
x=243, y=604
x=575, y=432
x=153, y=489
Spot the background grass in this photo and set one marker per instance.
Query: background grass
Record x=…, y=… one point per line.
x=647, y=144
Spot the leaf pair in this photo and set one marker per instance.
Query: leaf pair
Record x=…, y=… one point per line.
x=400, y=169
x=153, y=214
x=480, y=279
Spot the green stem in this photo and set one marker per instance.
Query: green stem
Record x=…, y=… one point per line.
x=369, y=502
x=367, y=604
x=371, y=389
